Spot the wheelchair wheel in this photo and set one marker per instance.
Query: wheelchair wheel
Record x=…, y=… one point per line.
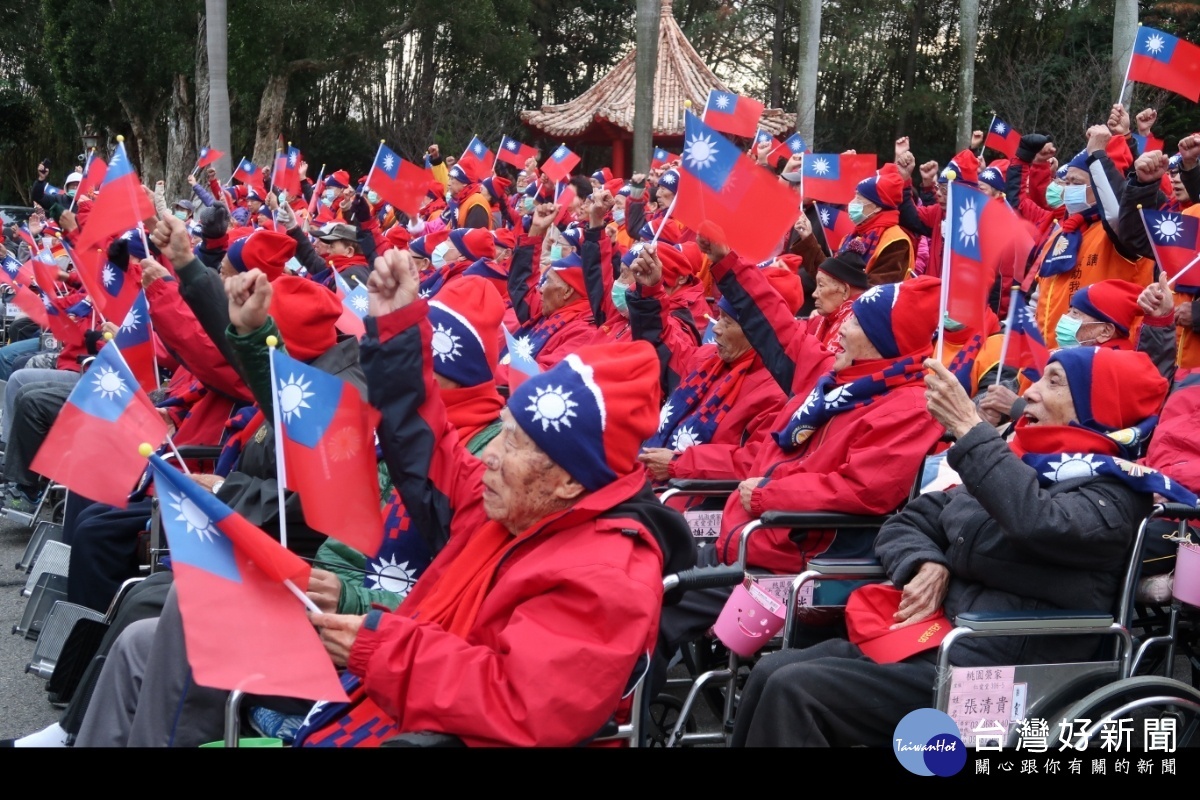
x=1148, y=697
x=664, y=713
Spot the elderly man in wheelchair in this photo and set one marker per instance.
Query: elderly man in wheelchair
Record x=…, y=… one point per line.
x=1045, y=522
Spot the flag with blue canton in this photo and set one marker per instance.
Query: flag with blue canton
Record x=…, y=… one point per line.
x=137, y=344
x=661, y=158
x=13, y=274
x=795, y=143
x=560, y=163
x=522, y=358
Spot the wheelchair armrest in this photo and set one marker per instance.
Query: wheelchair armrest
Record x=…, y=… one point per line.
x=691, y=486
x=819, y=519
x=423, y=739
x=1000, y=620
x=1175, y=511
x=864, y=567
x=705, y=578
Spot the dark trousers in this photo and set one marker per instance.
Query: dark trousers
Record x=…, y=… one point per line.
x=35, y=410
x=104, y=551
x=830, y=695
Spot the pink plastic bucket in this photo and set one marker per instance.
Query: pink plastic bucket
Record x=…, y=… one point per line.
x=749, y=619
x=1187, y=574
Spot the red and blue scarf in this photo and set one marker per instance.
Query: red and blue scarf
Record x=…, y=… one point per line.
x=697, y=406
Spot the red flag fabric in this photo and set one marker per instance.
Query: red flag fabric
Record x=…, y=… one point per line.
x=1167, y=62
x=329, y=453
x=987, y=240
x=398, y=182
x=725, y=196
x=31, y=303
x=92, y=448
x=121, y=204
x=248, y=173
x=833, y=178
x=354, y=307
x=661, y=158
x=1175, y=239
x=1026, y=348
x=521, y=364
x=93, y=176
x=478, y=158
x=45, y=271
x=560, y=163
x=135, y=338
x=515, y=153
x=835, y=223
x=731, y=113
x=243, y=628
x=208, y=157
x=286, y=176
x=14, y=273
x=1002, y=137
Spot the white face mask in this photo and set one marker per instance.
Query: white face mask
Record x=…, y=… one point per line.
x=438, y=256
x=1075, y=199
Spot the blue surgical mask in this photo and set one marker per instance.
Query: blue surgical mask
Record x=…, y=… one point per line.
x=556, y=253
x=619, y=299
x=1075, y=199
x=1054, y=195
x=618, y=215
x=527, y=205
x=329, y=194
x=1065, y=331
x=855, y=210
x=180, y=214
x=438, y=256
x=373, y=198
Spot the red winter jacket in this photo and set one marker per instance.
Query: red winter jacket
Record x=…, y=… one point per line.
x=571, y=610
x=1173, y=450
x=862, y=461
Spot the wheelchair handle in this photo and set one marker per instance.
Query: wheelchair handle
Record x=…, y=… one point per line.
x=705, y=578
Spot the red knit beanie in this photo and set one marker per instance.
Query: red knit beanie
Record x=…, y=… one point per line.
x=306, y=313
x=264, y=250
x=465, y=316
x=788, y=285
x=1114, y=301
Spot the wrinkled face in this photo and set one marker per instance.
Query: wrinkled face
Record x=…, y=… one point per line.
x=664, y=196
x=991, y=192
x=855, y=345
x=521, y=484
x=732, y=343
x=455, y=185
x=321, y=247
x=1049, y=401
x=340, y=247
x=1091, y=331
x=556, y=292
x=829, y=294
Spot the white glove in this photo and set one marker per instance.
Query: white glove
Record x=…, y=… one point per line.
x=286, y=217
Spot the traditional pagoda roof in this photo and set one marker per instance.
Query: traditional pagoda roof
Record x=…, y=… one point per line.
x=680, y=75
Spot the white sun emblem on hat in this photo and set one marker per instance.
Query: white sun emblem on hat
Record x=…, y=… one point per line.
x=839, y=395
x=668, y=178
x=1000, y=128
x=392, y=577
x=1168, y=228
x=684, y=438
x=107, y=275
x=524, y=348
x=109, y=384
x=968, y=223
x=1079, y=465
x=560, y=153
x=820, y=166
x=387, y=162
x=132, y=321
x=701, y=152
x=552, y=406
x=446, y=346
x=1155, y=43
x=991, y=174
x=722, y=101
x=872, y=294
x=193, y=517
x=665, y=415
x=293, y=394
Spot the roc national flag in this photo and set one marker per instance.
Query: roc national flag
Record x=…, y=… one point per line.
x=354, y=307
x=560, y=163
x=93, y=176
x=1026, y=347
x=398, y=182
x=286, y=176
x=121, y=204
x=136, y=341
x=248, y=173
x=242, y=625
x=1167, y=62
x=661, y=158
x=329, y=452
x=521, y=363
x=970, y=280
x=732, y=113
x=515, y=153
x=832, y=177
x=113, y=288
x=478, y=158
x=208, y=157
x=835, y=224
x=1002, y=137
x=92, y=449
x=14, y=273
x=726, y=197
x=1173, y=236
